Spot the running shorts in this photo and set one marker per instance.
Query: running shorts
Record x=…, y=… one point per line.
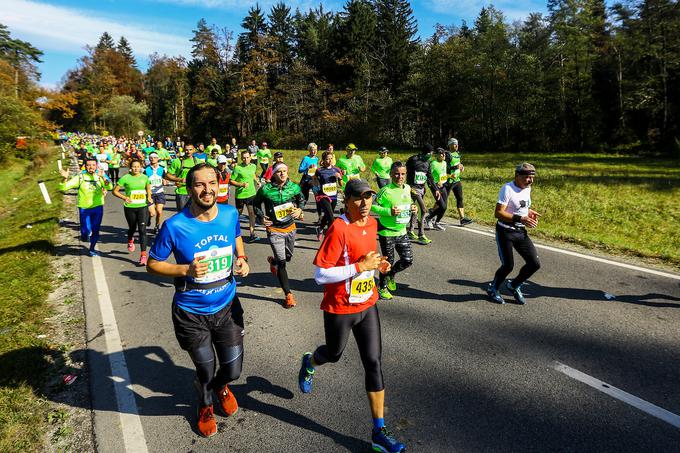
x=193, y=331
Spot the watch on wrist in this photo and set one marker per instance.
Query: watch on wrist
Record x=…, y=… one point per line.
x=243, y=257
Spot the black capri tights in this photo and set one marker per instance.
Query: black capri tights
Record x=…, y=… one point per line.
x=327, y=209
x=136, y=220
x=519, y=239
x=388, y=245
x=366, y=328
x=203, y=356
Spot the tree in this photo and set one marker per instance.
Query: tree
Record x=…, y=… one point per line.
x=123, y=116
x=124, y=49
x=21, y=55
x=105, y=42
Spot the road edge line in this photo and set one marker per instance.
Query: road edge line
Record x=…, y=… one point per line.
x=131, y=425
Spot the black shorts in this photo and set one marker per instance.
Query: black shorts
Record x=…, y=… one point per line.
x=225, y=326
x=241, y=202
x=158, y=198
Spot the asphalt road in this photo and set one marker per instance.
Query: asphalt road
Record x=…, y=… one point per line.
x=462, y=374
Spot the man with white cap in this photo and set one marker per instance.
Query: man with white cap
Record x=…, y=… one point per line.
x=514, y=214
x=283, y=203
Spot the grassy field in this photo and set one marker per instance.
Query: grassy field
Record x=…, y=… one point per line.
x=25, y=254
x=618, y=203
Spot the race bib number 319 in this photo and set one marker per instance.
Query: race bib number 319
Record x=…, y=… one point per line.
x=219, y=264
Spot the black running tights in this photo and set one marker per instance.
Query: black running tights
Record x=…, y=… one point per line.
x=136, y=220
x=366, y=329
x=507, y=239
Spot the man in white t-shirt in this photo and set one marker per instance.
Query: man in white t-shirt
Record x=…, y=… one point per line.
x=514, y=214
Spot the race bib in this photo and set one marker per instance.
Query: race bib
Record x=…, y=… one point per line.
x=219, y=264
x=264, y=160
x=138, y=196
x=361, y=287
x=223, y=190
x=354, y=176
x=404, y=215
x=330, y=189
x=420, y=178
x=311, y=171
x=283, y=211
x=156, y=181
x=443, y=178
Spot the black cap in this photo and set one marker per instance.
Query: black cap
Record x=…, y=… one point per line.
x=278, y=154
x=427, y=148
x=356, y=188
x=383, y=150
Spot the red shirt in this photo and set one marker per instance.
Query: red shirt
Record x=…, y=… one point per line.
x=223, y=186
x=344, y=244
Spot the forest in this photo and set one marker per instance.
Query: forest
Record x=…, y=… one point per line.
x=583, y=77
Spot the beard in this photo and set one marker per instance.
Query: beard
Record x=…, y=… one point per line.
x=202, y=204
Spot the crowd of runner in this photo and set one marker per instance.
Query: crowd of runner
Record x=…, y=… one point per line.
x=205, y=239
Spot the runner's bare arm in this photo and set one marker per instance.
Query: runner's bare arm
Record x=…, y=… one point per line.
x=164, y=269
x=241, y=260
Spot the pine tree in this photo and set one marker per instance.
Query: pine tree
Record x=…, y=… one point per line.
x=126, y=51
x=105, y=42
x=255, y=26
x=396, y=29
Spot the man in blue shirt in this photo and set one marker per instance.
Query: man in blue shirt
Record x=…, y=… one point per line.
x=205, y=240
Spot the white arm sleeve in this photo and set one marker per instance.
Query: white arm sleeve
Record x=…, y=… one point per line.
x=334, y=274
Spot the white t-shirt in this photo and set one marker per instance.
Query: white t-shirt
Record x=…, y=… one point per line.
x=516, y=201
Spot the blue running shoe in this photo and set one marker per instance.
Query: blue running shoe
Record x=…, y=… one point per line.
x=94, y=253
x=385, y=442
x=516, y=293
x=306, y=374
x=494, y=295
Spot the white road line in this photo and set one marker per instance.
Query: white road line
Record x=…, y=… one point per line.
x=644, y=406
x=131, y=425
x=587, y=257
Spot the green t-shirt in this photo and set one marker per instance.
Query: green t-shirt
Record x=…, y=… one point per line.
x=438, y=170
x=381, y=167
x=212, y=161
x=115, y=160
x=263, y=155
x=180, y=168
x=455, y=160
x=90, y=189
x=350, y=166
x=135, y=189
x=389, y=196
x=148, y=150
x=245, y=173
x=163, y=157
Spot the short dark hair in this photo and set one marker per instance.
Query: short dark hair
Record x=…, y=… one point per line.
x=397, y=164
x=244, y=152
x=200, y=166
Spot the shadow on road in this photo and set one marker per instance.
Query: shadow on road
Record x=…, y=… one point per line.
x=533, y=290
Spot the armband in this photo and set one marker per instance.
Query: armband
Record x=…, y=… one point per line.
x=517, y=218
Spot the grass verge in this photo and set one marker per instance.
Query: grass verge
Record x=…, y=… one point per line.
x=25, y=253
x=616, y=203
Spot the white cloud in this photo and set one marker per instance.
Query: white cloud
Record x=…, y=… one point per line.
x=265, y=5
x=68, y=30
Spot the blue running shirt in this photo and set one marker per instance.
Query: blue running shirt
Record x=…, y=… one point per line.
x=186, y=237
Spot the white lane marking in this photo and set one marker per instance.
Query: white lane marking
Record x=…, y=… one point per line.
x=587, y=257
x=131, y=425
x=638, y=403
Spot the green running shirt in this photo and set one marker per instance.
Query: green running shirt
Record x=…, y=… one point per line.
x=135, y=189
x=387, y=197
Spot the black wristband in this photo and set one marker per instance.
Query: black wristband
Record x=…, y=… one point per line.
x=517, y=218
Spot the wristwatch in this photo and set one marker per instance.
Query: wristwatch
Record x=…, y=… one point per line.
x=243, y=257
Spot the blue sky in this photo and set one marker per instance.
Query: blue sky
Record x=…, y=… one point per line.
x=63, y=28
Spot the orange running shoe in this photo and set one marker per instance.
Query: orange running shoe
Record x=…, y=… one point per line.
x=206, y=421
x=227, y=401
x=272, y=266
x=290, y=301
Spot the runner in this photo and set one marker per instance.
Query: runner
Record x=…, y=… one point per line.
x=206, y=312
x=514, y=214
x=263, y=156
x=307, y=168
x=147, y=149
x=91, y=193
x=200, y=153
x=381, y=167
x=136, y=198
x=82, y=154
x=454, y=184
x=327, y=181
x=352, y=164
x=278, y=157
x=212, y=160
x=253, y=148
x=156, y=175
x=243, y=177
x=102, y=161
x=345, y=265
x=163, y=154
x=438, y=167
x=114, y=166
x=393, y=205
x=223, y=177
x=417, y=175
x=283, y=203
x=180, y=167
x=214, y=146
